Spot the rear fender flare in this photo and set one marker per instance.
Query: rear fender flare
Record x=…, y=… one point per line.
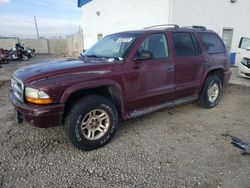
x=207, y=72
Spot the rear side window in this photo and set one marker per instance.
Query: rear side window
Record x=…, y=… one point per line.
x=183, y=44
x=212, y=43
x=196, y=45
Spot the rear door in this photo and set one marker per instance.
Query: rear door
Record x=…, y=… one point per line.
x=189, y=63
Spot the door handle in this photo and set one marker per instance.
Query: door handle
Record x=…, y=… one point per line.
x=170, y=68
x=205, y=63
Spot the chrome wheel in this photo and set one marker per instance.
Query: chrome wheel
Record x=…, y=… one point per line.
x=213, y=92
x=95, y=124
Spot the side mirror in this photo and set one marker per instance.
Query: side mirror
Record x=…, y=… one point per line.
x=248, y=48
x=144, y=55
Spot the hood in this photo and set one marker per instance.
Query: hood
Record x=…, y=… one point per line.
x=54, y=68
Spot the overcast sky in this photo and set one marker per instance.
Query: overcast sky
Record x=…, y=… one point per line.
x=54, y=17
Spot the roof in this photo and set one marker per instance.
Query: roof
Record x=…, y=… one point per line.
x=158, y=28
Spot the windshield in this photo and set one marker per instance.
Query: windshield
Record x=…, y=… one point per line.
x=112, y=46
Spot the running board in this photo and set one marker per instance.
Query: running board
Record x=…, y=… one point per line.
x=161, y=106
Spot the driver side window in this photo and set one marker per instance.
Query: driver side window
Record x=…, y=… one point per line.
x=156, y=45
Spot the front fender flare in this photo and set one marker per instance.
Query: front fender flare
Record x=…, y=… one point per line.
x=94, y=84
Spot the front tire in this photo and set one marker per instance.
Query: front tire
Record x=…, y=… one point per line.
x=25, y=57
x=211, y=92
x=91, y=123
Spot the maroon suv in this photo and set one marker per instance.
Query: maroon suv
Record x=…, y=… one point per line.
x=123, y=76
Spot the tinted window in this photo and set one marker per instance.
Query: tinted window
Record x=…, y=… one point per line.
x=183, y=44
x=196, y=45
x=156, y=44
x=213, y=43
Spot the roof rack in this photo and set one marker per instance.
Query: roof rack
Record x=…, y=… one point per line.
x=163, y=25
x=196, y=27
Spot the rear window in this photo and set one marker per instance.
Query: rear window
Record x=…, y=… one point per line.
x=213, y=43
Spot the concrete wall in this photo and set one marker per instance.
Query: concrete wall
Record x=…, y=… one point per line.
x=8, y=43
x=58, y=46
x=72, y=45
x=40, y=45
x=120, y=15
x=75, y=44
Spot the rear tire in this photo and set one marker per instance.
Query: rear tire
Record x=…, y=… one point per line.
x=211, y=92
x=25, y=57
x=91, y=122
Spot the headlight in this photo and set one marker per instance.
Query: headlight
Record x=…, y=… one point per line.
x=36, y=96
x=245, y=61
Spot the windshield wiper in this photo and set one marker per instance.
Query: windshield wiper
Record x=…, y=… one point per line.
x=116, y=58
x=103, y=57
x=93, y=56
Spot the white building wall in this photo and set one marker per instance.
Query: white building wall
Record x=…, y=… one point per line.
x=216, y=15
x=121, y=15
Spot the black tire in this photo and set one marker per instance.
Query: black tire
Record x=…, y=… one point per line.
x=79, y=111
x=25, y=57
x=205, y=101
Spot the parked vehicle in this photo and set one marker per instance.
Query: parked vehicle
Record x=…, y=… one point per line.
x=244, y=67
x=123, y=76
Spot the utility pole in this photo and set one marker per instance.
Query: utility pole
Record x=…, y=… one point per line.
x=37, y=34
x=170, y=11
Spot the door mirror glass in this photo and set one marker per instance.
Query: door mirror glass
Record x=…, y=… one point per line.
x=244, y=43
x=144, y=55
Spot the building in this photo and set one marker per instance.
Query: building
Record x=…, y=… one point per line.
x=229, y=18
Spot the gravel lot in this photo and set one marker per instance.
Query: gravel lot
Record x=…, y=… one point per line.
x=179, y=147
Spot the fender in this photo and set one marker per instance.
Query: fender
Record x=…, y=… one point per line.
x=205, y=75
x=94, y=84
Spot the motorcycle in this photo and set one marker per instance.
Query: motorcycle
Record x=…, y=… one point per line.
x=16, y=53
x=19, y=53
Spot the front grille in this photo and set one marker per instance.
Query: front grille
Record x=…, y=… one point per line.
x=18, y=88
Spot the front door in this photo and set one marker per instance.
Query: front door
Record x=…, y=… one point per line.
x=154, y=77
